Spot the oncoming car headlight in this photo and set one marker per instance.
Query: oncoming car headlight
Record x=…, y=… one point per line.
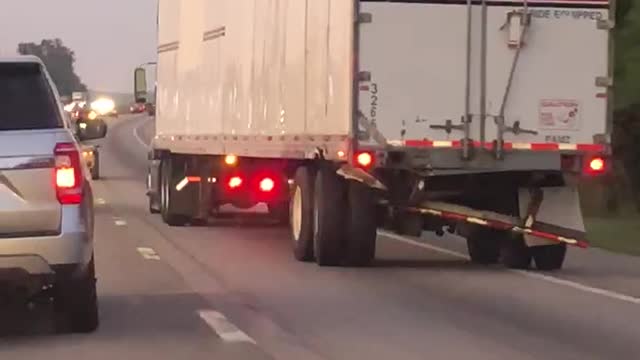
x=93, y=115
x=103, y=106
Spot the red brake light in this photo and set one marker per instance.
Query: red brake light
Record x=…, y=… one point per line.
x=267, y=185
x=235, y=182
x=364, y=159
x=596, y=165
x=68, y=174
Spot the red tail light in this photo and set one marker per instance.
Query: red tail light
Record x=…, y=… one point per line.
x=235, y=182
x=267, y=185
x=596, y=165
x=364, y=159
x=68, y=174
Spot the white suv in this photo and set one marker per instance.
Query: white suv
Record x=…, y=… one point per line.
x=46, y=202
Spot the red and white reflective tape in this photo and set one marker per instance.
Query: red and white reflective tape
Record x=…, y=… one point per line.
x=189, y=179
x=436, y=144
x=500, y=225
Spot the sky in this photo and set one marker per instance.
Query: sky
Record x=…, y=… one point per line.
x=110, y=37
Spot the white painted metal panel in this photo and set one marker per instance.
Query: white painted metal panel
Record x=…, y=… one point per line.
x=279, y=68
x=556, y=73
x=416, y=54
x=167, y=91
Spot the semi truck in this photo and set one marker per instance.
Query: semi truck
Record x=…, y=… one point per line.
x=476, y=117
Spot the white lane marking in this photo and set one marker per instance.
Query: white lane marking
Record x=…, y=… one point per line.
x=148, y=253
x=223, y=327
x=101, y=201
x=551, y=279
x=137, y=136
x=120, y=222
x=581, y=287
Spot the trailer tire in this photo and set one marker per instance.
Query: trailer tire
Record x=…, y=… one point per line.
x=483, y=246
x=514, y=252
x=95, y=170
x=168, y=194
x=155, y=206
x=329, y=217
x=549, y=257
x=361, y=226
x=301, y=214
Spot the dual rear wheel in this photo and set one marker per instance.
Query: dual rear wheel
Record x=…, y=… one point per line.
x=332, y=220
x=488, y=246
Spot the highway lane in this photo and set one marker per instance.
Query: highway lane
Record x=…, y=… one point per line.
x=147, y=310
x=415, y=303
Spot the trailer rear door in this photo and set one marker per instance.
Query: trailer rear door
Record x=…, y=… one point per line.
x=540, y=74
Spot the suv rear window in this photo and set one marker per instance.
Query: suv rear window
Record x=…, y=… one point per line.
x=26, y=101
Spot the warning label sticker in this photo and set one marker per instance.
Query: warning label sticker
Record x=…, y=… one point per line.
x=559, y=114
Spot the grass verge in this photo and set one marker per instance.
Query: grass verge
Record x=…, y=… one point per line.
x=620, y=235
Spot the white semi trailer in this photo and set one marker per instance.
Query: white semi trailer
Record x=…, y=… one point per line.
x=478, y=117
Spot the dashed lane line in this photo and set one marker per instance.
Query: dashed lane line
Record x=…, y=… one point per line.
x=148, y=253
x=120, y=222
x=551, y=279
x=224, y=328
x=137, y=136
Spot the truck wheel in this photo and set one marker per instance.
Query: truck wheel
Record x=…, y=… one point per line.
x=95, y=170
x=361, y=226
x=168, y=194
x=76, y=301
x=484, y=246
x=301, y=214
x=329, y=217
x=549, y=257
x=154, y=203
x=514, y=253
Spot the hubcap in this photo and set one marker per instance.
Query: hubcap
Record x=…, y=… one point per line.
x=296, y=214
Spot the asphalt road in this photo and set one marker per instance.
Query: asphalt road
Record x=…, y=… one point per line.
x=232, y=290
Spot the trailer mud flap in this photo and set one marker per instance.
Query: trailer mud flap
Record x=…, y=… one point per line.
x=558, y=213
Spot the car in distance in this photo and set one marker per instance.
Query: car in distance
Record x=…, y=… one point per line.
x=137, y=108
x=47, y=215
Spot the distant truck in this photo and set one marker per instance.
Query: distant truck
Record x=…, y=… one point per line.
x=79, y=96
x=345, y=116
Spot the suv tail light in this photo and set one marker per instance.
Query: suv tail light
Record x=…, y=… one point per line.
x=68, y=174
